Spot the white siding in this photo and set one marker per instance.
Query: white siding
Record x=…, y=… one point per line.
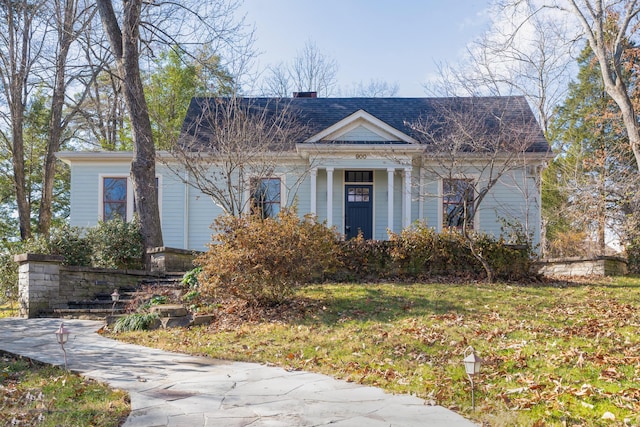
x=515, y=198
x=172, y=208
x=85, y=188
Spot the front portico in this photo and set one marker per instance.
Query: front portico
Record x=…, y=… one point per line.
x=361, y=175
x=371, y=194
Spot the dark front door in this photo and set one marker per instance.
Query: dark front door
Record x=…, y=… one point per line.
x=358, y=211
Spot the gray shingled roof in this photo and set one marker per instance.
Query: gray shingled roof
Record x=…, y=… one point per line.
x=318, y=114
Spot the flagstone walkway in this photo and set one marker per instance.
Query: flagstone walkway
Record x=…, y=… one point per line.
x=172, y=389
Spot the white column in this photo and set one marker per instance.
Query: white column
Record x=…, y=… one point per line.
x=329, y=197
x=390, y=173
x=406, y=203
x=245, y=203
x=421, y=198
x=314, y=176
x=185, y=217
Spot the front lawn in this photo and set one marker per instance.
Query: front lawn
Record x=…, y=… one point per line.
x=8, y=309
x=36, y=394
x=554, y=354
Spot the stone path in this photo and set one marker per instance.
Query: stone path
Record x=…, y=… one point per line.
x=171, y=389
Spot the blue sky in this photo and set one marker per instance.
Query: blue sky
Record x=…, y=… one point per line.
x=394, y=41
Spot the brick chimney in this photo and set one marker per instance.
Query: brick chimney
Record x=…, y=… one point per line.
x=305, y=94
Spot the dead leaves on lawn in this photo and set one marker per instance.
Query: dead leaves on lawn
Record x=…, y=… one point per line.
x=558, y=355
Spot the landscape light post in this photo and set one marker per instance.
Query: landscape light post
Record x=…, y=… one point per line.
x=472, y=365
x=62, y=335
x=115, y=297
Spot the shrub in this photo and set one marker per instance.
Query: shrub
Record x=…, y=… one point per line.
x=116, y=244
x=511, y=262
x=419, y=251
x=262, y=261
x=111, y=244
x=69, y=242
x=568, y=244
x=362, y=259
x=9, y=268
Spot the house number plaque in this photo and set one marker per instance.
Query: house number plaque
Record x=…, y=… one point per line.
x=361, y=156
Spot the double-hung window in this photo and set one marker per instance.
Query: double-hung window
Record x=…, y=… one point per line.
x=457, y=202
x=266, y=196
x=116, y=197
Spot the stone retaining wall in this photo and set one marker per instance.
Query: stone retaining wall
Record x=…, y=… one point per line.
x=44, y=283
x=569, y=267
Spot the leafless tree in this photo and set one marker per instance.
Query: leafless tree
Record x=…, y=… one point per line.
x=522, y=53
x=100, y=122
x=70, y=17
x=373, y=89
x=310, y=71
x=609, y=43
x=230, y=141
x=40, y=40
x=471, y=145
x=314, y=71
x=277, y=81
x=607, y=25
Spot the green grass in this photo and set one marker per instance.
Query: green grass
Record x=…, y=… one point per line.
x=554, y=354
x=8, y=309
x=35, y=394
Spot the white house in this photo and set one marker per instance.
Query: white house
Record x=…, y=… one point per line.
x=360, y=164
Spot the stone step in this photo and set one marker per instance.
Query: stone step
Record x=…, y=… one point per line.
x=104, y=300
x=85, y=314
x=97, y=304
x=173, y=279
x=101, y=306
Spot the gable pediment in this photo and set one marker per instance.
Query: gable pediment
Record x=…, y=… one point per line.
x=361, y=127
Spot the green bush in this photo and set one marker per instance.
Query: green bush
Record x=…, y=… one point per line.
x=69, y=242
x=419, y=251
x=512, y=262
x=9, y=268
x=111, y=244
x=262, y=261
x=116, y=244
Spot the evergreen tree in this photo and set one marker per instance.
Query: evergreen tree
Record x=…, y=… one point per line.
x=176, y=80
x=584, y=186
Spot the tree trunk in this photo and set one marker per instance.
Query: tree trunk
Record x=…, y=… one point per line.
x=56, y=127
x=610, y=60
x=22, y=201
x=15, y=80
x=124, y=44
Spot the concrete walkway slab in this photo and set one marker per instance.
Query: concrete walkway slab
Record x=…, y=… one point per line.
x=171, y=389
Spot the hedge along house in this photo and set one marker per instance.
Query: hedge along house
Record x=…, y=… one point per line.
x=363, y=165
